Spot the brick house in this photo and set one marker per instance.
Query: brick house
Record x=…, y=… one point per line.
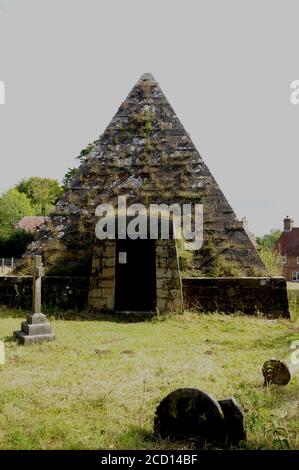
x=31, y=223
x=288, y=248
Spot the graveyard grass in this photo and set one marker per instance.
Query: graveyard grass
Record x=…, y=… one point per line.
x=97, y=386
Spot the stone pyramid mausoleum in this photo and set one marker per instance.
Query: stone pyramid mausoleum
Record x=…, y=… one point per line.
x=146, y=154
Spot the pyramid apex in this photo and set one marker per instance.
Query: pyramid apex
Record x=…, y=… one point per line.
x=147, y=77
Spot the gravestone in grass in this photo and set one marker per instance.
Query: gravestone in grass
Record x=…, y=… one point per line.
x=36, y=329
x=234, y=421
x=276, y=372
x=190, y=414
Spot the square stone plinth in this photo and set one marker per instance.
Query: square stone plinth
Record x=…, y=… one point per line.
x=30, y=339
x=36, y=318
x=35, y=330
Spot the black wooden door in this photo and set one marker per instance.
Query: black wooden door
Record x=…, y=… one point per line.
x=135, y=275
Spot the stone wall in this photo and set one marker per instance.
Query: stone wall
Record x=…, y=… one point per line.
x=169, y=287
x=58, y=292
x=102, y=283
x=248, y=295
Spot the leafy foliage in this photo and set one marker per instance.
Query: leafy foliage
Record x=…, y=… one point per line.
x=43, y=193
x=13, y=207
x=208, y=263
x=32, y=196
x=72, y=172
x=271, y=260
x=68, y=177
x=269, y=240
x=214, y=264
x=266, y=248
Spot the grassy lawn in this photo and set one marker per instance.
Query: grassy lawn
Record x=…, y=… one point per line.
x=97, y=386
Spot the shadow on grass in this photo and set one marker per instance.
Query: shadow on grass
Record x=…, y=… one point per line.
x=138, y=438
x=134, y=317
x=10, y=339
x=83, y=315
x=118, y=317
x=114, y=317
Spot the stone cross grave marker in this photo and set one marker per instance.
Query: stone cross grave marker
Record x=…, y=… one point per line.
x=36, y=329
x=38, y=271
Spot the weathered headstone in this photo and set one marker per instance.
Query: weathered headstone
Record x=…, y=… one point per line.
x=36, y=329
x=234, y=418
x=276, y=372
x=189, y=413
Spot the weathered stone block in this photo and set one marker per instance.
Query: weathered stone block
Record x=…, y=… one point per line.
x=109, y=262
x=110, y=302
x=109, y=251
x=108, y=292
x=162, y=251
x=26, y=339
x=171, y=252
x=108, y=273
x=162, y=294
x=97, y=302
x=33, y=329
x=36, y=318
x=161, y=303
x=96, y=293
x=161, y=262
x=160, y=283
x=164, y=273
x=107, y=283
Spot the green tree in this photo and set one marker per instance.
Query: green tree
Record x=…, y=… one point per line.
x=271, y=260
x=13, y=207
x=266, y=248
x=269, y=240
x=72, y=172
x=43, y=193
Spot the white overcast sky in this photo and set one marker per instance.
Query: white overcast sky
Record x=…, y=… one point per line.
x=225, y=66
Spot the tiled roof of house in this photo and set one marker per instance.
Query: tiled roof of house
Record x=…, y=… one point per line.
x=30, y=223
x=288, y=243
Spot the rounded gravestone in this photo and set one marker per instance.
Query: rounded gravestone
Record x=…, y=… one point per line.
x=190, y=413
x=276, y=372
